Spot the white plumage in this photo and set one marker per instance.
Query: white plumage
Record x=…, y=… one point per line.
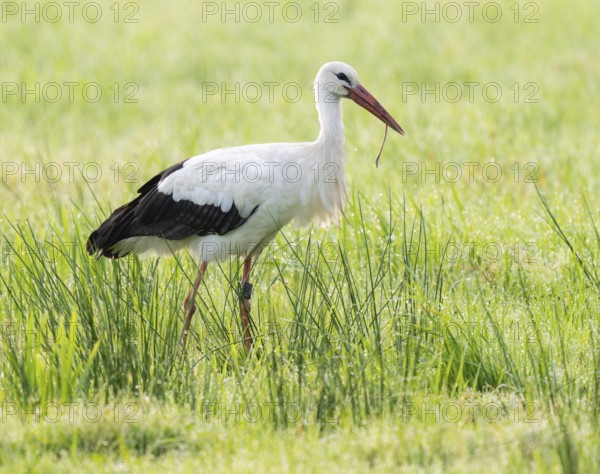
x=233, y=201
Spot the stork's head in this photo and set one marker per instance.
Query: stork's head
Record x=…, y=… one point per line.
x=336, y=80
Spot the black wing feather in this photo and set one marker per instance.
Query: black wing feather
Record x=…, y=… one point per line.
x=153, y=213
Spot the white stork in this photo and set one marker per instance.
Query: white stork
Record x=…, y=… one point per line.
x=233, y=201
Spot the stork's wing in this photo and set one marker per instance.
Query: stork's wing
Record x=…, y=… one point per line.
x=190, y=198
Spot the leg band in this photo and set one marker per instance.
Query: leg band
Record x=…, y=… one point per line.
x=247, y=291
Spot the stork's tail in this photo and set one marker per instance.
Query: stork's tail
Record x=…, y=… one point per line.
x=105, y=240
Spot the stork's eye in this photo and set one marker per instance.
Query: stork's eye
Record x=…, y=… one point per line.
x=342, y=77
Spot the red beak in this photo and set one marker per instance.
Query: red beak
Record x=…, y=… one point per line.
x=365, y=99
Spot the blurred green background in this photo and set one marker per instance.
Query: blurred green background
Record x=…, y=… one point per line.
x=66, y=162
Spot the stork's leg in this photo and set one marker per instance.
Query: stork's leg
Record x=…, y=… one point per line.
x=189, y=307
x=245, y=304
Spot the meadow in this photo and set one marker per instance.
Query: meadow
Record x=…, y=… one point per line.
x=449, y=323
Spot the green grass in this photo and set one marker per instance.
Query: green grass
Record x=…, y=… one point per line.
x=446, y=325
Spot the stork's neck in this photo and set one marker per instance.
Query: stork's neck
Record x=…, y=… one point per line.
x=324, y=198
x=329, y=109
